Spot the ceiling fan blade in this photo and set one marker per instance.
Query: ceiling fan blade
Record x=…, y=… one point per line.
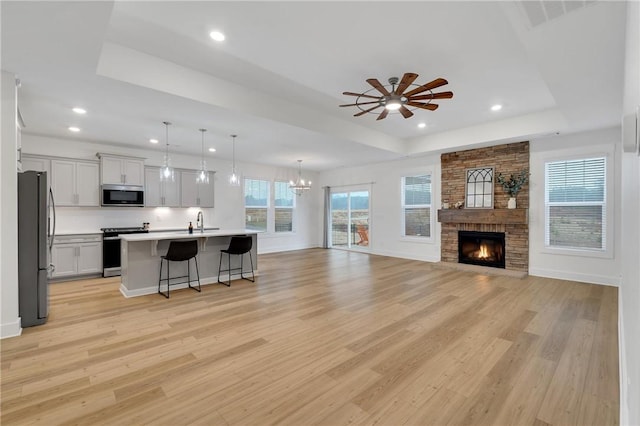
x=376, y=84
x=405, y=112
x=441, y=95
x=362, y=95
x=367, y=110
x=430, y=107
x=383, y=114
x=406, y=81
x=429, y=86
x=361, y=103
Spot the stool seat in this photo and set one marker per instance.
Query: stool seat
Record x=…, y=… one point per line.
x=180, y=251
x=239, y=245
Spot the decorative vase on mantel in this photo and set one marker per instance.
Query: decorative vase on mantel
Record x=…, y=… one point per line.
x=513, y=185
x=511, y=204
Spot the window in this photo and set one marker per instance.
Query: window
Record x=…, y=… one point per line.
x=284, y=204
x=256, y=204
x=575, y=204
x=416, y=205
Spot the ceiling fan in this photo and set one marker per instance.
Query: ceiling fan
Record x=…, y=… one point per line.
x=394, y=97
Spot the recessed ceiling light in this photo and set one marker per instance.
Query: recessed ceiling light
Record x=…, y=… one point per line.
x=422, y=125
x=217, y=35
x=496, y=107
x=212, y=150
x=153, y=140
x=74, y=129
x=79, y=110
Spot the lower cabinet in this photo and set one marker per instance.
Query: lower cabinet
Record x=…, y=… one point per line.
x=76, y=255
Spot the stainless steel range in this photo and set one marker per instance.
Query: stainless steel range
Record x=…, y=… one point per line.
x=111, y=248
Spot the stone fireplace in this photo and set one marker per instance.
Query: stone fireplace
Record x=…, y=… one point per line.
x=513, y=223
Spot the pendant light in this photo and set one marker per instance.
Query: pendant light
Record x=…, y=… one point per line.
x=166, y=171
x=203, y=175
x=234, y=178
x=300, y=186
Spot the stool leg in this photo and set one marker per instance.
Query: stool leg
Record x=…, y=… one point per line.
x=219, y=268
x=229, y=259
x=168, y=280
x=252, y=275
x=199, y=289
x=242, y=266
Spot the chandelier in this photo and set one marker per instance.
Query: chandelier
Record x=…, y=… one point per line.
x=166, y=171
x=203, y=175
x=300, y=186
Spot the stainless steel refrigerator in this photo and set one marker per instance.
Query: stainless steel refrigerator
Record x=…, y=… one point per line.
x=36, y=229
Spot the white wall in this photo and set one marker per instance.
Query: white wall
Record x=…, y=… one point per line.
x=629, y=296
x=9, y=315
x=542, y=262
x=229, y=201
x=385, y=232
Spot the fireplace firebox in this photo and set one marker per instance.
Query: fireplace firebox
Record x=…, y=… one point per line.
x=481, y=248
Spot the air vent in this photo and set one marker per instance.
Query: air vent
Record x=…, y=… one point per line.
x=539, y=12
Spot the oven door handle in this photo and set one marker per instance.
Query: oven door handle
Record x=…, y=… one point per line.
x=111, y=238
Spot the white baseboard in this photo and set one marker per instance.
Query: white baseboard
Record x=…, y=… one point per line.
x=576, y=276
x=203, y=281
x=622, y=354
x=12, y=329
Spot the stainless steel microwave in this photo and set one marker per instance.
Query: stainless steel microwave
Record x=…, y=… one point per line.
x=123, y=195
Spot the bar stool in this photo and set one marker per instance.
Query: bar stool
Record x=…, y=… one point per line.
x=179, y=251
x=239, y=245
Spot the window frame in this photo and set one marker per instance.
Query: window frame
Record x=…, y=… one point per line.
x=609, y=193
x=404, y=207
x=267, y=208
x=292, y=208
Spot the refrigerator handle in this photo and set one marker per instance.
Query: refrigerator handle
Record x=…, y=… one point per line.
x=52, y=230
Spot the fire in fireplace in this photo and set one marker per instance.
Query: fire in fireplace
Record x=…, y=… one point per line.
x=481, y=248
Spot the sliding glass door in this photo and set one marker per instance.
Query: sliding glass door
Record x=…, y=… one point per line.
x=350, y=219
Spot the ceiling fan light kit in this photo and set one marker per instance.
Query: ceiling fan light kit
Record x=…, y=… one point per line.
x=395, y=97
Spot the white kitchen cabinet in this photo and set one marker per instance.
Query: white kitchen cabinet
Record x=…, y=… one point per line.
x=75, y=183
x=38, y=164
x=158, y=193
x=74, y=255
x=195, y=194
x=119, y=170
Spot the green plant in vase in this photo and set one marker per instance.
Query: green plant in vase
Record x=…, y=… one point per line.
x=513, y=185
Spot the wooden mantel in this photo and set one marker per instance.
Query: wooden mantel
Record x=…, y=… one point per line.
x=492, y=216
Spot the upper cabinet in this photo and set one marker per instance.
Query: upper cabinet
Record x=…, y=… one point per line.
x=75, y=183
x=38, y=164
x=195, y=194
x=159, y=193
x=119, y=170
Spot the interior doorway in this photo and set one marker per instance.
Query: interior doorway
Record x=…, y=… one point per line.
x=350, y=220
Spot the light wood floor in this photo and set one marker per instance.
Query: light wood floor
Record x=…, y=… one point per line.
x=323, y=337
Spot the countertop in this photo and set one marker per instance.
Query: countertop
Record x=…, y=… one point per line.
x=183, y=235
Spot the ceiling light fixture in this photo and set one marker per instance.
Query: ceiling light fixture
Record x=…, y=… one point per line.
x=234, y=177
x=496, y=107
x=203, y=175
x=166, y=172
x=300, y=186
x=79, y=110
x=74, y=129
x=153, y=140
x=217, y=36
x=422, y=125
x=212, y=150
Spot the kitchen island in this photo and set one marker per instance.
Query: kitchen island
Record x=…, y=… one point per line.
x=140, y=258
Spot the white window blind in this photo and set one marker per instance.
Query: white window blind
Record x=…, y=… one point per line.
x=575, y=204
x=416, y=205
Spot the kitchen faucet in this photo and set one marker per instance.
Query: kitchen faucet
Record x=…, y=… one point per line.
x=200, y=221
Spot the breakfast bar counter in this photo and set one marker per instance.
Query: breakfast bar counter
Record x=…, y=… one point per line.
x=140, y=258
